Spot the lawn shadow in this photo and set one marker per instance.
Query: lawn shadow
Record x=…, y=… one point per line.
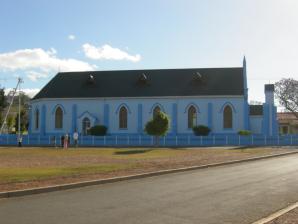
x=131, y=152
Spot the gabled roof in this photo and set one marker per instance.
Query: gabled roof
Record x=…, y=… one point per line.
x=145, y=83
x=255, y=110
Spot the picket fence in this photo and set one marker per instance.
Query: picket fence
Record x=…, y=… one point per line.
x=145, y=140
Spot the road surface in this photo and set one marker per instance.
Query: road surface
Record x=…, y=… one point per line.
x=239, y=193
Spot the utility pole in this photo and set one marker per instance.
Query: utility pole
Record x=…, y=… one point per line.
x=11, y=102
x=19, y=120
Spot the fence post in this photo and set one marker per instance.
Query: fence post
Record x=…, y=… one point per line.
x=28, y=139
x=252, y=139
x=93, y=140
x=164, y=140
x=239, y=140
x=49, y=140
x=227, y=142
x=265, y=140
x=116, y=140
x=188, y=140
x=201, y=140
x=140, y=140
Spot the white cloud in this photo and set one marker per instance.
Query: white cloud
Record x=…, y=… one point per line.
x=109, y=53
x=35, y=76
x=71, y=37
x=30, y=92
x=38, y=58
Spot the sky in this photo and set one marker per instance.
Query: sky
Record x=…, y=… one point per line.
x=39, y=38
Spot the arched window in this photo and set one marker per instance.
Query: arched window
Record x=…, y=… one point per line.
x=58, y=118
x=37, y=119
x=192, y=117
x=86, y=124
x=156, y=111
x=123, y=117
x=228, y=117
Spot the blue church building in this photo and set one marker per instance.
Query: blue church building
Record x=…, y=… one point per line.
x=124, y=101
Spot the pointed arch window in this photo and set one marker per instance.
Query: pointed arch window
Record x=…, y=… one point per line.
x=192, y=117
x=58, y=118
x=228, y=117
x=86, y=124
x=156, y=111
x=123, y=118
x=37, y=119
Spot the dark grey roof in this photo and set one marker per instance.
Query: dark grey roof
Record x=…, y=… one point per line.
x=255, y=110
x=145, y=83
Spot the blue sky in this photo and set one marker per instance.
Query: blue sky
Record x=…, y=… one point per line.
x=38, y=38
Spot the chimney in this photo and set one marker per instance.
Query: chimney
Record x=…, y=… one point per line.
x=269, y=94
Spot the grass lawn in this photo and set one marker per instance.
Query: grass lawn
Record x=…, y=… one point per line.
x=36, y=167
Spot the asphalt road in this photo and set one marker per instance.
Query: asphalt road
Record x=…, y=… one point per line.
x=240, y=193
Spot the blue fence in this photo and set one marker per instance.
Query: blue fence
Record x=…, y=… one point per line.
x=145, y=140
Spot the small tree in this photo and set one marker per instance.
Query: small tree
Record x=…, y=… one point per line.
x=158, y=126
x=286, y=91
x=10, y=122
x=24, y=121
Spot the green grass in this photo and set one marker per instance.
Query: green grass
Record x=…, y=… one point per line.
x=29, y=164
x=29, y=174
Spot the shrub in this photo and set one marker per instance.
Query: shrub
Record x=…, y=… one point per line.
x=98, y=130
x=158, y=126
x=244, y=132
x=201, y=130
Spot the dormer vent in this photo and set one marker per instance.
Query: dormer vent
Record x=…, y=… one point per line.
x=143, y=79
x=90, y=80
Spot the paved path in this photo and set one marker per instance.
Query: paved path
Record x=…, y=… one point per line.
x=240, y=193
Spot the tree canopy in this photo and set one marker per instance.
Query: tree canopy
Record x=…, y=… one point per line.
x=286, y=90
x=158, y=126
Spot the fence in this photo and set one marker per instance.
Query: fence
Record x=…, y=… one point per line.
x=145, y=140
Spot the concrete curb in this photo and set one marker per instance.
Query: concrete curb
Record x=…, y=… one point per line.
x=277, y=214
x=32, y=191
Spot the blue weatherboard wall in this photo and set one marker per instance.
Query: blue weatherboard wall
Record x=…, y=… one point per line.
x=174, y=119
x=106, y=112
x=140, y=118
x=43, y=120
x=210, y=113
x=106, y=115
x=74, y=118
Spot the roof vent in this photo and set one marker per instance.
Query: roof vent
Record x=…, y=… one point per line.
x=143, y=79
x=90, y=80
x=198, y=76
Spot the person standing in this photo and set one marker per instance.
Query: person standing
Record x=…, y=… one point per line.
x=66, y=141
x=75, y=138
x=20, y=139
